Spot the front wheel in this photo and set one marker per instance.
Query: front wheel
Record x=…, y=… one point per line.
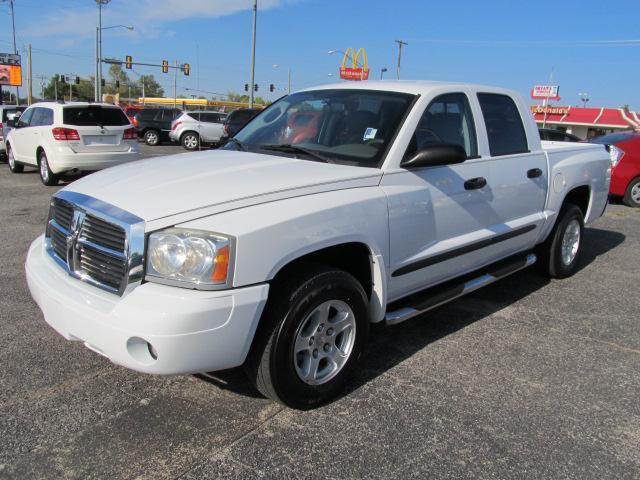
x=46, y=175
x=14, y=166
x=632, y=195
x=559, y=254
x=314, y=330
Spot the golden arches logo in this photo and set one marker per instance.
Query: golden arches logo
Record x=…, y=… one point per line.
x=355, y=71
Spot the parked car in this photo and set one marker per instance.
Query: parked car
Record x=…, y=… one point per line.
x=557, y=135
x=7, y=113
x=277, y=254
x=193, y=129
x=70, y=137
x=624, y=148
x=154, y=124
x=236, y=120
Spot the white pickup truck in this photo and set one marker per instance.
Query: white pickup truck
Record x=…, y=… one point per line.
x=336, y=207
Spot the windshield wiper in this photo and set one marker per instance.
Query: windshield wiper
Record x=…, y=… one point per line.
x=240, y=145
x=288, y=148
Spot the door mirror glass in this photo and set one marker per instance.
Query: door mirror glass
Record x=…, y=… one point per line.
x=436, y=154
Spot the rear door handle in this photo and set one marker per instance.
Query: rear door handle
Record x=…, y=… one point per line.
x=475, y=183
x=534, y=173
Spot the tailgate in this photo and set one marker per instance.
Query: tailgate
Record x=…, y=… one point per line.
x=100, y=128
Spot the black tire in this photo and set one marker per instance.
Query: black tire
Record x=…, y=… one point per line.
x=190, y=140
x=47, y=177
x=631, y=196
x=151, y=137
x=13, y=165
x=270, y=364
x=550, y=256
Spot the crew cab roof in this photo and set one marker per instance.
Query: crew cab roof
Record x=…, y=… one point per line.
x=420, y=87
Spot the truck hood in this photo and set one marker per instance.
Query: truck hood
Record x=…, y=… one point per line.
x=191, y=185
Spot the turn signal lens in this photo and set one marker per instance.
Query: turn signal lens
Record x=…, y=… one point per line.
x=616, y=155
x=221, y=268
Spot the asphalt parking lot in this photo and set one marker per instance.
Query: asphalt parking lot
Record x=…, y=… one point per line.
x=524, y=379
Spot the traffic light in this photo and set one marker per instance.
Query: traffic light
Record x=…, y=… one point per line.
x=62, y=79
x=117, y=83
x=272, y=87
x=165, y=66
x=185, y=69
x=77, y=80
x=128, y=61
x=103, y=82
x=246, y=87
x=255, y=87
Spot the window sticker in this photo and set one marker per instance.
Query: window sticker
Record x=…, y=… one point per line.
x=370, y=133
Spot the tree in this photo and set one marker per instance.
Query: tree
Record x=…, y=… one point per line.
x=236, y=97
x=84, y=91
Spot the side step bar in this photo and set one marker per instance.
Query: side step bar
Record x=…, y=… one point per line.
x=426, y=300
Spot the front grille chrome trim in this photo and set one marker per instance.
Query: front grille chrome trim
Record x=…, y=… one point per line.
x=78, y=247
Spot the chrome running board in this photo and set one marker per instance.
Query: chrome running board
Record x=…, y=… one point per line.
x=431, y=298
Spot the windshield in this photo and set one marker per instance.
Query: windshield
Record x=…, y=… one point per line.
x=353, y=127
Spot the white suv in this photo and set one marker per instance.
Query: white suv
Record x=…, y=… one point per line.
x=70, y=137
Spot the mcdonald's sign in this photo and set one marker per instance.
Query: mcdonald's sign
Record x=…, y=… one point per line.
x=355, y=71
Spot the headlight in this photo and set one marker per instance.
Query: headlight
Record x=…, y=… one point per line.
x=616, y=154
x=189, y=258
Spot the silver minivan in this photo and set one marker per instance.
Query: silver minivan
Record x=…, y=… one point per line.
x=193, y=129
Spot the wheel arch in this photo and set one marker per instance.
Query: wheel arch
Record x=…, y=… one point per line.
x=353, y=256
x=580, y=196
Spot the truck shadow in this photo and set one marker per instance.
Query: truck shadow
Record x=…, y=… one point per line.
x=389, y=346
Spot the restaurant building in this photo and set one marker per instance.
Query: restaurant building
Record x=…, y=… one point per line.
x=585, y=122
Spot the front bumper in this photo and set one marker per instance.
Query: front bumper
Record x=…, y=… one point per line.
x=190, y=331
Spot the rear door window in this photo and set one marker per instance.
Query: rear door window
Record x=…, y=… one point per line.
x=94, y=115
x=505, y=129
x=42, y=117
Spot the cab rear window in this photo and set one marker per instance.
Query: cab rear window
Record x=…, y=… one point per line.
x=94, y=115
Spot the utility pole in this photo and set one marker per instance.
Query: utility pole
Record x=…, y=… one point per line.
x=400, y=44
x=55, y=87
x=175, y=84
x=289, y=90
x=29, y=77
x=253, y=54
x=42, y=79
x=97, y=74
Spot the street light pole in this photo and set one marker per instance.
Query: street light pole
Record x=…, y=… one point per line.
x=382, y=70
x=253, y=54
x=99, y=80
x=400, y=44
x=97, y=75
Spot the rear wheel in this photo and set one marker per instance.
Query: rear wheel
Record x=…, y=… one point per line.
x=312, y=334
x=46, y=175
x=152, y=137
x=632, y=195
x=11, y=160
x=190, y=140
x=559, y=254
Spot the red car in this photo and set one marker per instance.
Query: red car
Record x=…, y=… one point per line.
x=624, y=149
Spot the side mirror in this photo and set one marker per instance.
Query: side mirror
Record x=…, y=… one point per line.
x=12, y=119
x=436, y=154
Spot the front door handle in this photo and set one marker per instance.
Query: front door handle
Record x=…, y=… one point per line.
x=534, y=173
x=475, y=183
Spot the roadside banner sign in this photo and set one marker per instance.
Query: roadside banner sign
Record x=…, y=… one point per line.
x=355, y=71
x=10, y=70
x=545, y=92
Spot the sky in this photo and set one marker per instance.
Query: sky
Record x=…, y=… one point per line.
x=587, y=46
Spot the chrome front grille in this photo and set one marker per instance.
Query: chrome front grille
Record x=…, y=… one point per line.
x=95, y=242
